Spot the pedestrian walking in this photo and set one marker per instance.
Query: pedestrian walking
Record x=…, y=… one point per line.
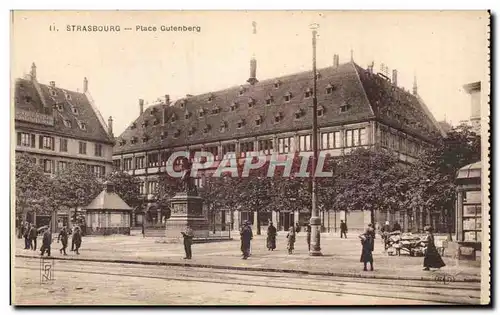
x=271, y=237
x=188, y=241
x=77, y=239
x=432, y=258
x=367, y=245
x=291, y=240
x=26, y=235
x=343, y=229
x=63, y=237
x=46, y=242
x=246, y=237
x=386, y=229
x=33, y=233
x=143, y=232
x=75, y=228
x=308, y=231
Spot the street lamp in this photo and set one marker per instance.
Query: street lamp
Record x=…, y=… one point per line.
x=315, y=221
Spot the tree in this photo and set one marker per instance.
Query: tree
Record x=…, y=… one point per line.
x=126, y=186
x=167, y=187
x=31, y=185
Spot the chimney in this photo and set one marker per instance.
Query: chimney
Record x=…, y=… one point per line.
x=370, y=67
x=85, y=85
x=167, y=99
x=33, y=71
x=335, y=61
x=141, y=106
x=110, y=126
x=415, y=89
x=253, y=72
x=52, y=84
x=395, y=77
x=352, y=55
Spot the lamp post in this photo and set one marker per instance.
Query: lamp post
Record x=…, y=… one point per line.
x=315, y=221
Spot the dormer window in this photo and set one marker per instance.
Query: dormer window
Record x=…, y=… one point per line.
x=242, y=89
x=27, y=99
x=299, y=113
x=258, y=120
x=207, y=128
x=122, y=142
x=74, y=110
x=145, y=124
x=182, y=103
x=163, y=134
x=191, y=131
x=277, y=84
x=53, y=92
x=177, y=133
x=133, y=126
x=145, y=138
x=60, y=107
x=68, y=96
x=223, y=126
x=201, y=112
x=329, y=89
x=156, y=122
x=344, y=108
x=82, y=125
x=210, y=98
x=133, y=140
x=234, y=105
x=67, y=123
x=269, y=100
x=321, y=111
x=173, y=118
x=278, y=117
x=308, y=93
x=240, y=123
x=153, y=111
x=187, y=115
x=215, y=110
x=288, y=97
x=251, y=102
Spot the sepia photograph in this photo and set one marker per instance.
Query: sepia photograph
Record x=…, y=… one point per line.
x=250, y=158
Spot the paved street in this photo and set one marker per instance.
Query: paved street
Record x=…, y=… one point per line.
x=341, y=256
x=88, y=283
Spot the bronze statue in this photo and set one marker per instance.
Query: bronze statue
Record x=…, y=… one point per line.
x=187, y=180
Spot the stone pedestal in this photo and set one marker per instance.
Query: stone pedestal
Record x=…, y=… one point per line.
x=186, y=210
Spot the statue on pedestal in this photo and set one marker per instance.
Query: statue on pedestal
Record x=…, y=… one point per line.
x=187, y=180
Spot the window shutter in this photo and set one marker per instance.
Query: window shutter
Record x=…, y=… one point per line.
x=40, y=143
x=18, y=138
x=33, y=141
x=53, y=144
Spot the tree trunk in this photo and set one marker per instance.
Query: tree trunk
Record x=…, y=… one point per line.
x=258, y=223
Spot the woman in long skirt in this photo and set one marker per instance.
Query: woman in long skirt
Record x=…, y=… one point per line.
x=291, y=239
x=367, y=242
x=432, y=258
x=271, y=237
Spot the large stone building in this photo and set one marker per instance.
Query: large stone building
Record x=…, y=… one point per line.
x=474, y=89
x=57, y=126
x=356, y=107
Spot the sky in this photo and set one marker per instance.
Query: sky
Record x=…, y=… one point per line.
x=444, y=50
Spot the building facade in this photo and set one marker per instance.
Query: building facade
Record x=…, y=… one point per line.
x=356, y=108
x=474, y=89
x=56, y=127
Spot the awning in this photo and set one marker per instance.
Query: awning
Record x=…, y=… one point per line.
x=470, y=171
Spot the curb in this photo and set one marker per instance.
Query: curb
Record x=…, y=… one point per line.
x=304, y=272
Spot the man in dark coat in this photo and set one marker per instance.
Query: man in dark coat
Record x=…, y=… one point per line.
x=188, y=241
x=367, y=245
x=33, y=233
x=396, y=227
x=63, y=237
x=46, y=242
x=308, y=235
x=343, y=229
x=246, y=236
x=77, y=239
x=297, y=227
x=26, y=235
x=271, y=237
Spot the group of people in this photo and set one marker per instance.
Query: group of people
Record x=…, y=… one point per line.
x=30, y=234
x=432, y=258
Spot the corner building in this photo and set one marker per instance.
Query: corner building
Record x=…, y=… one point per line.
x=57, y=127
x=356, y=108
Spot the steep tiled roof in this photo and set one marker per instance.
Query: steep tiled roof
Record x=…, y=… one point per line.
x=63, y=105
x=345, y=87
